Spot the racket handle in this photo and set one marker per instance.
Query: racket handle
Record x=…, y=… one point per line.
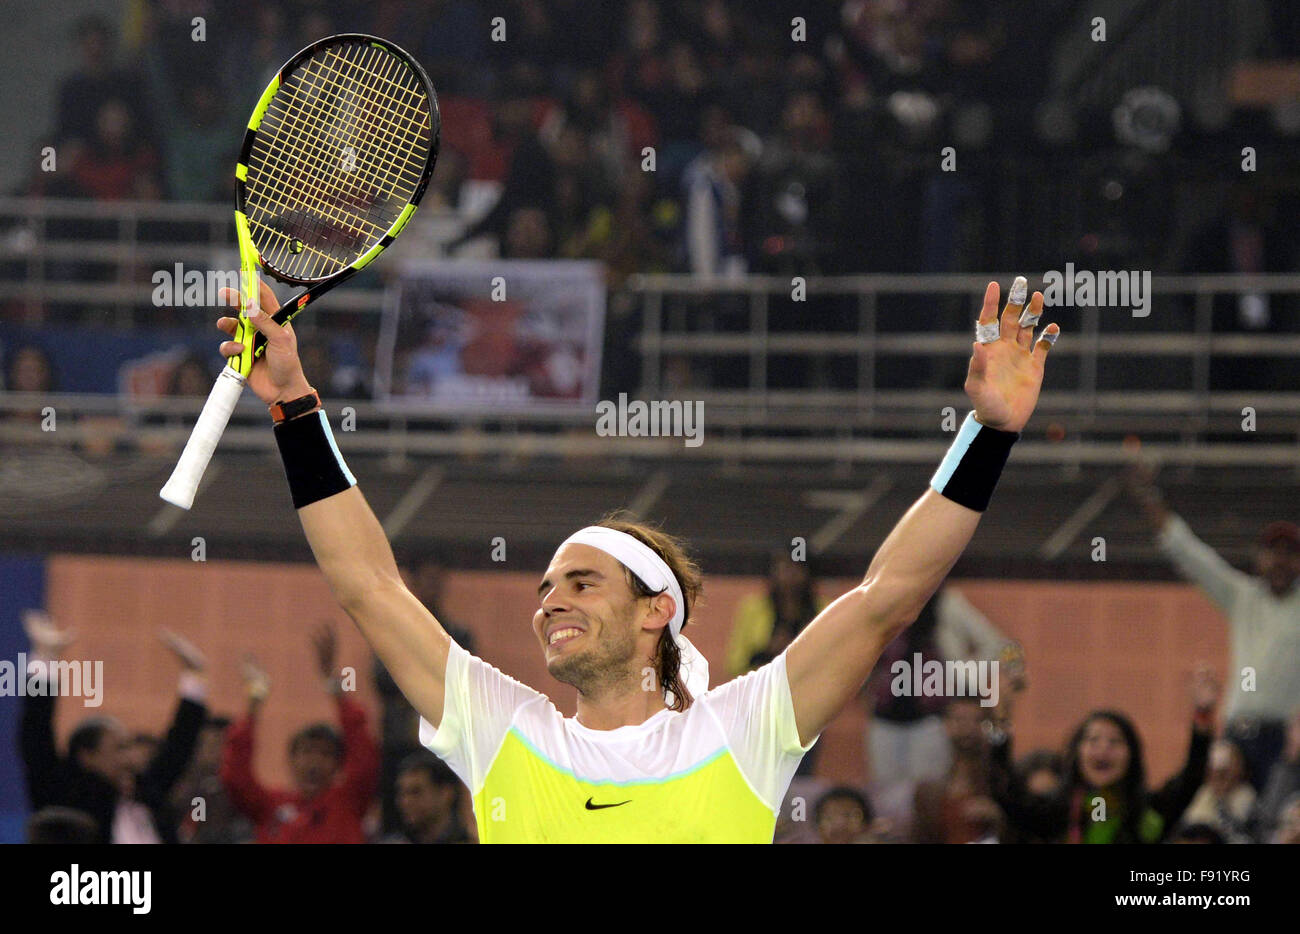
x=184, y=482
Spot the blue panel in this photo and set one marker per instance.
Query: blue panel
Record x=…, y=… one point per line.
x=23, y=587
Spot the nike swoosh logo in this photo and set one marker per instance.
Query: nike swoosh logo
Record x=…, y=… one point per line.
x=597, y=807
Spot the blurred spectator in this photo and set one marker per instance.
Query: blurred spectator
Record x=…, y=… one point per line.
x=906, y=739
x=264, y=45
x=1104, y=797
x=168, y=32
x=1288, y=826
x=1281, y=784
x=798, y=193
x=1263, y=611
x=635, y=234
x=530, y=178
x=843, y=815
x=1244, y=238
x=615, y=132
x=117, y=163
x=96, y=81
x=675, y=89
x=454, y=47
x=28, y=368
x=126, y=800
x=958, y=808
x=1226, y=800
x=766, y=622
x=190, y=377
x=1039, y=773
x=199, y=143
x=428, y=799
x=334, y=776
x=1249, y=238
x=203, y=807
x=529, y=235
x=713, y=185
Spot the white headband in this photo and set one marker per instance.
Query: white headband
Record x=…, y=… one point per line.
x=646, y=564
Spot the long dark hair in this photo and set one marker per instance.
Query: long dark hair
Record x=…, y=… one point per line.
x=1132, y=788
x=668, y=659
x=805, y=598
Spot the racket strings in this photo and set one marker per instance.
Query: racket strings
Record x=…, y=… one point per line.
x=409, y=112
x=339, y=154
x=343, y=134
x=327, y=132
x=362, y=160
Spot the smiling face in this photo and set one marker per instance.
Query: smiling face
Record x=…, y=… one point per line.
x=593, y=630
x=1103, y=754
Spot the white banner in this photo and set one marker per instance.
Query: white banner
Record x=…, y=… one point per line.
x=516, y=335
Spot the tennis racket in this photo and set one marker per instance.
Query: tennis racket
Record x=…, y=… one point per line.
x=337, y=155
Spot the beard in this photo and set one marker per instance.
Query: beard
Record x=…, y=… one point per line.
x=606, y=663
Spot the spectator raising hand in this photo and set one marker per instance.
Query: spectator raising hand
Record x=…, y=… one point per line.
x=124, y=798
x=335, y=771
x=48, y=640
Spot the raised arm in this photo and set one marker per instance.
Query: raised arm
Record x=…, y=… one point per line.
x=171, y=760
x=360, y=754
x=253, y=799
x=41, y=761
x=829, y=661
x=1194, y=559
x=346, y=538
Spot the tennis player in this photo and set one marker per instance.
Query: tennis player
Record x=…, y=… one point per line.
x=652, y=754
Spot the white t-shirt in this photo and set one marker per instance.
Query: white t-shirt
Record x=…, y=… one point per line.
x=714, y=773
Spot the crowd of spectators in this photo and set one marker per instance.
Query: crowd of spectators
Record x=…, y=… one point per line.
x=943, y=768
x=350, y=783
x=714, y=137
x=785, y=137
x=770, y=153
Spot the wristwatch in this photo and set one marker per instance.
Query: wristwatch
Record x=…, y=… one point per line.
x=283, y=411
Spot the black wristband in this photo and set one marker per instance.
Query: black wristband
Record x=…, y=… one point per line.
x=974, y=463
x=312, y=461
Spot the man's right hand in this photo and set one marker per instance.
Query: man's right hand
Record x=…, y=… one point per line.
x=277, y=376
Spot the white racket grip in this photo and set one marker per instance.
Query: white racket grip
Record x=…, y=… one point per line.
x=184, y=482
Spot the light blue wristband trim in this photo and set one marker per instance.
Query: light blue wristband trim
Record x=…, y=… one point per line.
x=960, y=445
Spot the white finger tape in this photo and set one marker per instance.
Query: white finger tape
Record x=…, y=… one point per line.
x=1019, y=289
x=1028, y=319
x=1050, y=336
x=987, y=333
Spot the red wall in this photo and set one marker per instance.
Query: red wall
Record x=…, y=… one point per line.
x=1128, y=645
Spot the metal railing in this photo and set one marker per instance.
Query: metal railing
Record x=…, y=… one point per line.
x=868, y=326
x=62, y=256
x=1088, y=345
